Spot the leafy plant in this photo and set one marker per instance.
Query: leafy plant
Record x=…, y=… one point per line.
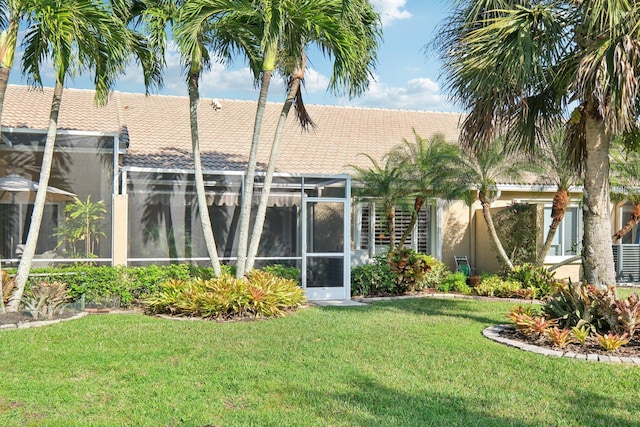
x=436, y=274
x=456, y=282
x=539, y=326
x=82, y=228
x=581, y=334
x=373, y=279
x=573, y=305
x=560, y=338
x=628, y=312
x=612, y=342
x=493, y=285
x=409, y=268
x=260, y=294
x=45, y=299
x=521, y=317
x=540, y=280
x=279, y=270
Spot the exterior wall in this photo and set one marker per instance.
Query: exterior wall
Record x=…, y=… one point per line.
x=120, y=235
x=457, y=233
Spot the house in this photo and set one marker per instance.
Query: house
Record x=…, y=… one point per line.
x=135, y=155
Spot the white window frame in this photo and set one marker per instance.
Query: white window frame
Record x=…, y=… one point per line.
x=554, y=259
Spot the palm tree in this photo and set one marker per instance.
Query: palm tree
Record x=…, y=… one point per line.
x=384, y=184
x=481, y=171
x=426, y=165
x=625, y=183
x=557, y=168
x=11, y=15
x=76, y=35
x=345, y=31
x=516, y=65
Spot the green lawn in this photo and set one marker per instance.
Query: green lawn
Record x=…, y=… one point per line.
x=416, y=362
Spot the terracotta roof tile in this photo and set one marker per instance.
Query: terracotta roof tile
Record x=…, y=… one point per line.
x=159, y=134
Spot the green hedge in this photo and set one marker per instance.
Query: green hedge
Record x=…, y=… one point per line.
x=129, y=284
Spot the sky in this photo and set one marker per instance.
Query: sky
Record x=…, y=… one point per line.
x=407, y=75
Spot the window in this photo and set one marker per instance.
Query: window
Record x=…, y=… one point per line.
x=372, y=230
x=568, y=238
x=632, y=236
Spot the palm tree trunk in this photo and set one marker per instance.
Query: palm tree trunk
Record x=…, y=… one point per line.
x=559, y=208
x=417, y=205
x=391, y=227
x=486, y=213
x=635, y=218
x=207, y=230
x=266, y=189
x=596, y=252
x=247, y=191
x=7, y=51
x=38, y=209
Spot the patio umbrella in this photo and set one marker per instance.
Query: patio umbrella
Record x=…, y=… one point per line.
x=12, y=185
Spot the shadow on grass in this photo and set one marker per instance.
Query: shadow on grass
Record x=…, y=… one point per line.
x=455, y=308
x=599, y=409
x=372, y=403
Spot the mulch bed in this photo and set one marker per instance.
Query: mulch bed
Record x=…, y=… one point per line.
x=25, y=317
x=632, y=349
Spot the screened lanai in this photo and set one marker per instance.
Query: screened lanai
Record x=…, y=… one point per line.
x=307, y=223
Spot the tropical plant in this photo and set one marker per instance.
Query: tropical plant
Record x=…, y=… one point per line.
x=425, y=166
x=374, y=278
x=625, y=185
x=83, y=223
x=45, y=299
x=259, y=295
x=481, y=171
x=346, y=30
x=612, y=342
x=560, y=338
x=408, y=267
x=556, y=167
x=454, y=282
x=383, y=184
x=516, y=66
x=494, y=286
x=76, y=35
x=532, y=276
x=581, y=334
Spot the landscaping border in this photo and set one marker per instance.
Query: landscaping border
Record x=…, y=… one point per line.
x=493, y=333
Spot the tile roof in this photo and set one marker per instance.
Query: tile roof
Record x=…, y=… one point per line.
x=159, y=134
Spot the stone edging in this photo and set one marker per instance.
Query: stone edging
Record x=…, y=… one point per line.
x=493, y=333
x=39, y=323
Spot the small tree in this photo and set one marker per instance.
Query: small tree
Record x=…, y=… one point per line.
x=83, y=224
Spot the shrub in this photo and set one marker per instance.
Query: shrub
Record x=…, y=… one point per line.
x=574, y=304
x=282, y=271
x=260, y=294
x=560, y=338
x=45, y=299
x=454, y=282
x=516, y=228
x=436, y=274
x=538, y=279
x=494, y=286
x=373, y=279
x=409, y=268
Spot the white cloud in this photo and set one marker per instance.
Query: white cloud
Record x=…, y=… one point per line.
x=314, y=81
x=417, y=94
x=390, y=10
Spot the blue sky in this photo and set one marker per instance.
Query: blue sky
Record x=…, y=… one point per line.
x=406, y=75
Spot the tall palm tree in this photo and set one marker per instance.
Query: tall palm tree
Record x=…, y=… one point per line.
x=516, y=65
x=481, y=171
x=347, y=32
x=384, y=184
x=76, y=35
x=625, y=184
x=426, y=166
x=11, y=14
x=556, y=167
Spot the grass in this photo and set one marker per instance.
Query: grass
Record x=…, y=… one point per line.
x=416, y=362
x=625, y=292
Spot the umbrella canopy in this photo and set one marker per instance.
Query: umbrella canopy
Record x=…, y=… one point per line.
x=13, y=184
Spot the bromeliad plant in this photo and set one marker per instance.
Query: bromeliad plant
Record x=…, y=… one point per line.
x=261, y=294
